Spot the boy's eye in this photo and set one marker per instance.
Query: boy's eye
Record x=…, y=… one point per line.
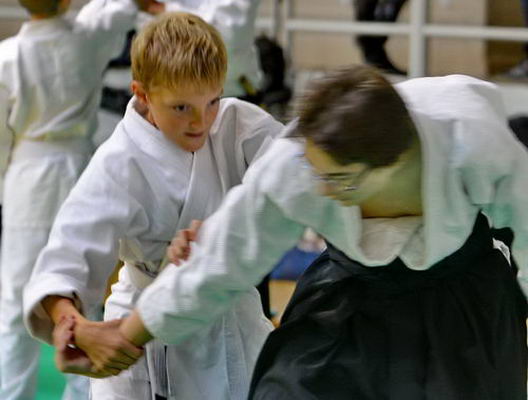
x=214, y=101
x=181, y=107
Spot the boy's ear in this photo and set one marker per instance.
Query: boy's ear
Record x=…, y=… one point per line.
x=139, y=91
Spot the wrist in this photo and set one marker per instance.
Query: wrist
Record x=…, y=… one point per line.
x=59, y=307
x=133, y=329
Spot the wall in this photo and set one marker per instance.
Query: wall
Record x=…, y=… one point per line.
x=502, y=55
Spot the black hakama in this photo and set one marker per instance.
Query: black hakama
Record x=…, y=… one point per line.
x=456, y=331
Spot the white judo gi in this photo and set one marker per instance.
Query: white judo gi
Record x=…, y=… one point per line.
x=137, y=191
x=50, y=84
x=471, y=163
x=235, y=20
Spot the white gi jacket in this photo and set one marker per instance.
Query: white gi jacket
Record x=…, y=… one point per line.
x=471, y=162
x=136, y=192
x=235, y=20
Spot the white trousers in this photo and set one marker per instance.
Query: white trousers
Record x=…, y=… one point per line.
x=38, y=180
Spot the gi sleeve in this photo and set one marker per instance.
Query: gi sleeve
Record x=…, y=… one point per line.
x=82, y=250
x=215, y=12
x=495, y=177
x=6, y=137
x=106, y=23
x=237, y=246
x=510, y=207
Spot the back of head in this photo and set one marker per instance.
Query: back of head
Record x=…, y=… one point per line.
x=41, y=7
x=356, y=115
x=179, y=49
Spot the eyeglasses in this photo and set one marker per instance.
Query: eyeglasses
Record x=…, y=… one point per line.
x=342, y=182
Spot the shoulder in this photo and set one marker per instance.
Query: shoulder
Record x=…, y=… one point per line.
x=445, y=84
x=279, y=164
x=116, y=157
x=452, y=97
x=234, y=109
x=242, y=118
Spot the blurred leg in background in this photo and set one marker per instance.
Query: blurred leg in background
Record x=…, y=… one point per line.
x=373, y=47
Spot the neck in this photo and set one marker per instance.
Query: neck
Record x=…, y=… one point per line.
x=402, y=197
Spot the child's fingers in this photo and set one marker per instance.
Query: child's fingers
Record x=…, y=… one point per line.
x=171, y=255
x=194, y=228
x=179, y=248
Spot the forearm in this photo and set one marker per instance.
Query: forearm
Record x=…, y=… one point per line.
x=134, y=330
x=59, y=307
x=234, y=251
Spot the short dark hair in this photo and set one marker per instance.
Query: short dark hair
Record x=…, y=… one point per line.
x=356, y=115
x=42, y=7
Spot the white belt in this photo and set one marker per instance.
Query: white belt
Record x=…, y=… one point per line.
x=139, y=278
x=36, y=149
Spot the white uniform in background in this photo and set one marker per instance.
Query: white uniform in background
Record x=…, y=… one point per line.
x=137, y=191
x=50, y=84
x=472, y=162
x=235, y=20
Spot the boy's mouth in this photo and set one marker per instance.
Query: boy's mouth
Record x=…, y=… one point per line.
x=194, y=135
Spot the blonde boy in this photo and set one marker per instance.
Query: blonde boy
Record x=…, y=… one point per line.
x=50, y=83
x=171, y=160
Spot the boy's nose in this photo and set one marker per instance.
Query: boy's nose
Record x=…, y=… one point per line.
x=198, y=122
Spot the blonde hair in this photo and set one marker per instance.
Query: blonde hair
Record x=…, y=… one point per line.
x=179, y=49
x=42, y=7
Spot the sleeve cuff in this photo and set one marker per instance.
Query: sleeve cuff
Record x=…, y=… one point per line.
x=36, y=318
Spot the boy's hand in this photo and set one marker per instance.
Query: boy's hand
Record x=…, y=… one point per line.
x=180, y=247
x=68, y=358
x=151, y=6
x=107, y=349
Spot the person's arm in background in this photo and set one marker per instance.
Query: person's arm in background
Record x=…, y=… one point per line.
x=215, y=11
x=106, y=23
x=235, y=20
